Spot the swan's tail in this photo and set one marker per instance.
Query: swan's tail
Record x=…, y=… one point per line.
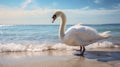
x=105, y=34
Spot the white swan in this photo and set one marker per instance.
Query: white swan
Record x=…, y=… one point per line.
x=78, y=35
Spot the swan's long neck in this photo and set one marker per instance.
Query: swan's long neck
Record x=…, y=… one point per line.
x=62, y=26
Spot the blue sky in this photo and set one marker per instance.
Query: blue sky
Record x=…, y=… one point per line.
x=77, y=11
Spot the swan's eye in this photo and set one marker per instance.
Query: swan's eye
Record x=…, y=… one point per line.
x=54, y=17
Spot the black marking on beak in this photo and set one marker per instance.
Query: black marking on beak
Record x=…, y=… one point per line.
x=54, y=17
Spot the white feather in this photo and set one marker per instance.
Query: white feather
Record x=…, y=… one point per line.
x=78, y=35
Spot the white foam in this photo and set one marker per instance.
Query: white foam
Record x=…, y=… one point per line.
x=105, y=43
x=5, y=25
x=12, y=47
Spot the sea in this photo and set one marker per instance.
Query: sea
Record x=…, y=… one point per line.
x=35, y=38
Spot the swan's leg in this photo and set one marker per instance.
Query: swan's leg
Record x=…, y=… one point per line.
x=80, y=48
x=83, y=50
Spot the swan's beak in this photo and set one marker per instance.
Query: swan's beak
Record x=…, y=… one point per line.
x=54, y=18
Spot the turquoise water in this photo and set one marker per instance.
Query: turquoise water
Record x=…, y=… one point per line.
x=28, y=33
x=44, y=34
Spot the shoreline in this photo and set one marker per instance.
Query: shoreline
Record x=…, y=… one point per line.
x=57, y=58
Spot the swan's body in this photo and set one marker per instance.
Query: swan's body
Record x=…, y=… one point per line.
x=78, y=35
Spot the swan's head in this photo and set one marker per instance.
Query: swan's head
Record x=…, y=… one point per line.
x=55, y=15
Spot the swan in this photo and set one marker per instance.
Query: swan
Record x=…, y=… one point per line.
x=77, y=35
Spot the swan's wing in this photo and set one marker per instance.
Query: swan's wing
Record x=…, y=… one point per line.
x=83, y=32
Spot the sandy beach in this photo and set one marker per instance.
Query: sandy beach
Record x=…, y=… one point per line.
x=57, y=58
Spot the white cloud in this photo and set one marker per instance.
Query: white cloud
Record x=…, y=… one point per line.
x=25, y=4
x=13, y=13
x=38, y=16
x=92, y=12
x=9, y=13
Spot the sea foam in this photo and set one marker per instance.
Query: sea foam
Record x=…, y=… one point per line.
x=12, y=47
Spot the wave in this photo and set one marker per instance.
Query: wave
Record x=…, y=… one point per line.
x=5, y=25
x=105, y=43
x=12, y=47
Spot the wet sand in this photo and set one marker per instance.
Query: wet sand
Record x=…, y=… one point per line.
x=55, y=58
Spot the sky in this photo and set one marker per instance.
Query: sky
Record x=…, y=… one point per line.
x=77, y=11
